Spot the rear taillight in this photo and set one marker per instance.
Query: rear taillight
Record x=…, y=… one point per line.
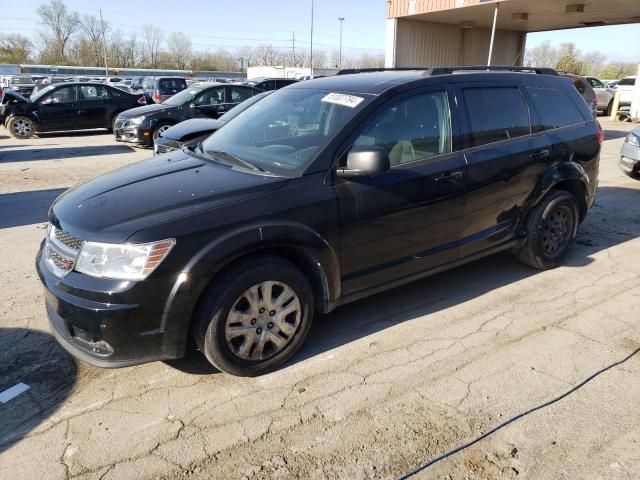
x=156, y=95
x=142, y=100
x=600, y=133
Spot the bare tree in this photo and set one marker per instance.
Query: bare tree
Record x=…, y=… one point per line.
x=152, y=40
x=15, y=48
x=266, y=55
x=179, y=50
x=92, y=28
x=61, y=23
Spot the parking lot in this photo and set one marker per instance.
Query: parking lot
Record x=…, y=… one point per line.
x=381, y=385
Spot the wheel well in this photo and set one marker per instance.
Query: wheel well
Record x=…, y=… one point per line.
x=578, y=190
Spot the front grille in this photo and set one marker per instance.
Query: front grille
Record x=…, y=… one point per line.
x=68, y=240
x=61, y=251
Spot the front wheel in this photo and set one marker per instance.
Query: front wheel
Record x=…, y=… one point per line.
x=21, y=128
x=160, y=129
x=607, y=111
x=255, y=316
x=551, y=230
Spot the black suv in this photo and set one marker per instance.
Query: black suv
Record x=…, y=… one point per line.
x=159, y=89
x=322, y=193
x=268, y=84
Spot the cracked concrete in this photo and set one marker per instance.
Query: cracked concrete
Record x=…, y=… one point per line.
x=381, y=386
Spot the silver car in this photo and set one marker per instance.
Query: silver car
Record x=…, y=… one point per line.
x=630, y=154
x=604, y=94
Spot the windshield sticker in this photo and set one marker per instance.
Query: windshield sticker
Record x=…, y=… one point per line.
x=350, y=101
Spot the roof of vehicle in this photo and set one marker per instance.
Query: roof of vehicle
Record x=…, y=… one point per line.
x=376, y=82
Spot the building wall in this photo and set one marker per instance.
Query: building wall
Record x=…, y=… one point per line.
x=422, y=44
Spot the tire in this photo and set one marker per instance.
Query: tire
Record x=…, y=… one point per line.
x=112, y=124
x=237, y=302
x=161, y=127
x=21, y=127
x=551, y=230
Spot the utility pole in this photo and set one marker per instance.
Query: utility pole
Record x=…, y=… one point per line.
x=293, y=47
x=340, y=55
x=104, y=45
x=311, y=56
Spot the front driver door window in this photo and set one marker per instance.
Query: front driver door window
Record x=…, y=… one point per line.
x=410, y=219
x=93, y=107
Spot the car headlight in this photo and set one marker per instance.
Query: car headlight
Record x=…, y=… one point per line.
x=633, y=139
x=122, y=261
x=137, y=120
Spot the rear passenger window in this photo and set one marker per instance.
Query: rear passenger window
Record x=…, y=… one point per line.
x=415, y=128
x=555, y=109
x=495, y=114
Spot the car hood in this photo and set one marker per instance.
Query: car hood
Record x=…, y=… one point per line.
x=192, y=127
x=112, y=207
x=146, y=110
x=11, y=96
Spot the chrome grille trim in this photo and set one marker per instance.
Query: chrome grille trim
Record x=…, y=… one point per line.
x=61, y=251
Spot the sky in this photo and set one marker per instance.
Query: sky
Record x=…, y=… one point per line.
x=235, y=23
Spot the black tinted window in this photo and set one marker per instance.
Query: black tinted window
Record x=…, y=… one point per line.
x=555, y=109
x=495, y=114
x=172, y=84
x=627, y=82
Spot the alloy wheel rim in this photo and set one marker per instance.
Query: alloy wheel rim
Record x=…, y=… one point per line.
x=263, y=321
x=557, y=228
x=22, y=128
x=161, y=130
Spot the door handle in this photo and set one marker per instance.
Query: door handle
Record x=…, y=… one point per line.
x=447, y=176
x=540, y=155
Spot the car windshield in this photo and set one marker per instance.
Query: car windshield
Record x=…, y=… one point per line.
x=22, y=81
x=40, y=93
x=182, y=97
x=285, y=132
x=627, y=82
x=234, y=112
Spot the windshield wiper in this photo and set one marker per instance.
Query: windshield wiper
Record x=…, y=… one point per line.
x=229, y=157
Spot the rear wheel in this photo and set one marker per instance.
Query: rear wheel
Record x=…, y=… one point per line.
x=552, y=228
x=21, y=127
x=255, y=316
x=607, y=111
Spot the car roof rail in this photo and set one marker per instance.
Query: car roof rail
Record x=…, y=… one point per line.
x=433, y=71
x=489, y=68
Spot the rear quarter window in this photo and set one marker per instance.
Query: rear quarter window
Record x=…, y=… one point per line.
x=495, y=114
x=555, y=109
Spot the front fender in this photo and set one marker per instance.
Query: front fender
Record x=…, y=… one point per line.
x=290, y=239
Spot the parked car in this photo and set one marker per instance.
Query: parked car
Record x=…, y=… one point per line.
x=160, y=89
x=66, y=106
x=626, y=87
x=268, y=84
x=21, y=84
x=325, y=192
x=585, y=89
x=197, y=129
x=630, y=154
x=604, y=95
x=143, y=125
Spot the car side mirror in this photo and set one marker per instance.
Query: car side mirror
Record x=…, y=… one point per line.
x=366, y=161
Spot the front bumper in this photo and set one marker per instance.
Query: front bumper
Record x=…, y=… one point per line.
x=111, y=323
x=133, y=134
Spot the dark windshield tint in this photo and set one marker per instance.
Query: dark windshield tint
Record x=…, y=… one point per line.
x=22, y=81
x=495, y=114
x=554, y=108
x=627, y=82
x=183, y=97
x=284, y=132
